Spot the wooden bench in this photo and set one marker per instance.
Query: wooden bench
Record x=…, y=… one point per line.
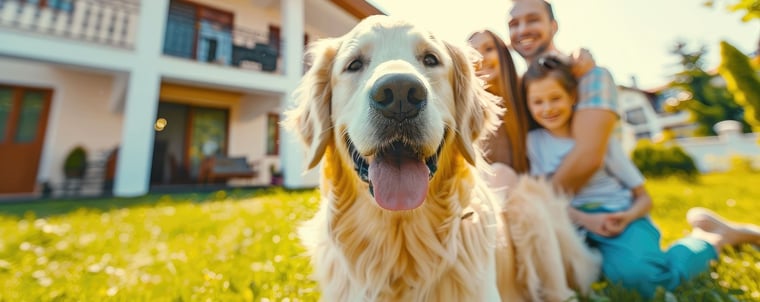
x=218, y=168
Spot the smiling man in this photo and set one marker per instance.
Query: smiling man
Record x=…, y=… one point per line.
x=532, y=27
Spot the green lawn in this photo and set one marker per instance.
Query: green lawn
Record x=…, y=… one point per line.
x=241, y=245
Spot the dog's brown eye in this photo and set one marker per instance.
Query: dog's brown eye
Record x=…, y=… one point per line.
x=355, y=65
x=430, y=60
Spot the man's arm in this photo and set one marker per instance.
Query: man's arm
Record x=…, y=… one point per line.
x=591, y=130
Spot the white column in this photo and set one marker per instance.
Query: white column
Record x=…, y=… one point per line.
x=135, y=153
x=292, y=153
x=292, y=37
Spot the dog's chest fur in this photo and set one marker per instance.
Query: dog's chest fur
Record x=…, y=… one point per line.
x=429, y=254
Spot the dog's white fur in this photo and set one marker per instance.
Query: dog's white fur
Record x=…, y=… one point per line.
x=460, y=244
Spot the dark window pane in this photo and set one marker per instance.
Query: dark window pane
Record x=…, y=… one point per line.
x=6, y=102
x=208, y=136
x=273, y=121
x=636, y=116
x=63, y=5
x=180, y=30
x=29, y=119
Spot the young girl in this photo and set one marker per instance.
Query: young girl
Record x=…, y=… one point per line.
x=505, y=149
x=613, y=207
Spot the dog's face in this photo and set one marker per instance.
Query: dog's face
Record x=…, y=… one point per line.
x=391, y=97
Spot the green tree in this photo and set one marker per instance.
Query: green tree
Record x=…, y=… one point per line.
x=750, y=8
x=703, y=95
x=742, y=81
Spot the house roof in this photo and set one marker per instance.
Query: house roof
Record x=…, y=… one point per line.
x=358, y=8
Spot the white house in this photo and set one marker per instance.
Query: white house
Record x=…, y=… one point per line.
x=640, y=121
x=169, y=83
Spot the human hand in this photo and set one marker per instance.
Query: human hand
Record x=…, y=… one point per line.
x=581, y=62
x=615, y=223
x=596, y=223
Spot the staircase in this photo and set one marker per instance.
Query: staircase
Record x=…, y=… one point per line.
x=93, y=181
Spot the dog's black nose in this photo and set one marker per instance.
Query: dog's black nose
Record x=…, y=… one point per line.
x=398, y=96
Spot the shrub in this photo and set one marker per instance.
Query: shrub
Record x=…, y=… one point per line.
x=76, y=163
x=663, y=159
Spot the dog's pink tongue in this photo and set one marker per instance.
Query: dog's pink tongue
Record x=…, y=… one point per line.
x=399, y=184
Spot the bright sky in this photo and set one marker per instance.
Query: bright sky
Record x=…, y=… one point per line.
x=630, y=37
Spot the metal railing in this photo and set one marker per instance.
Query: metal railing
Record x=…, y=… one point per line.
x=109, y=22
x=209, y=43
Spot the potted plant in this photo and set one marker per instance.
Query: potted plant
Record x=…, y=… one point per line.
x=76, y=163
x=276, y=175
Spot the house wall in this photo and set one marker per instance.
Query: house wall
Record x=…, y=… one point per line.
x=80, y=111
x=248, y=135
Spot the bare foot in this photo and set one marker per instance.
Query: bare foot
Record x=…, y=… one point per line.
x=731, y=233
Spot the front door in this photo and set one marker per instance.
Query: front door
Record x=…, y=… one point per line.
x=185, y=135
x=23, y=120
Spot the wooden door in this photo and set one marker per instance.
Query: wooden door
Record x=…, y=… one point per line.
x=23, y=121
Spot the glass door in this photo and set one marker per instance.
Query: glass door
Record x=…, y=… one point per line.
x=208, y=135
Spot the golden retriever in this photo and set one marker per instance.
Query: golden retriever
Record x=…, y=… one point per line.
x=395, y=116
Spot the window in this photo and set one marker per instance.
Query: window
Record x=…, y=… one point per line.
x=273, y=134
x=61, y=5
x=195, y=31
x=23, y=114
x=643, y=135
x=636, y=116
x=6, y=104
x=32, y=109
x=208, y=135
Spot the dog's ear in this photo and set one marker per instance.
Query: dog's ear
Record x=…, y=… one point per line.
x=310, y=118
x=477, y=111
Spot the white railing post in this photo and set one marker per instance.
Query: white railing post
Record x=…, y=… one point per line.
x=117, y=23
x=8, y=15
x=91, y=21
x=26, y=17
x=75, y=28
x=45, y=20
x=61, y=26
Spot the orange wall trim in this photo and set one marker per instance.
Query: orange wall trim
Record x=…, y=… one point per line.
x=198, y=96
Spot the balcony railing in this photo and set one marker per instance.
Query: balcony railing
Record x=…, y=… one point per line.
x=213, y=39
x=238, y=47
x=109, y=22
